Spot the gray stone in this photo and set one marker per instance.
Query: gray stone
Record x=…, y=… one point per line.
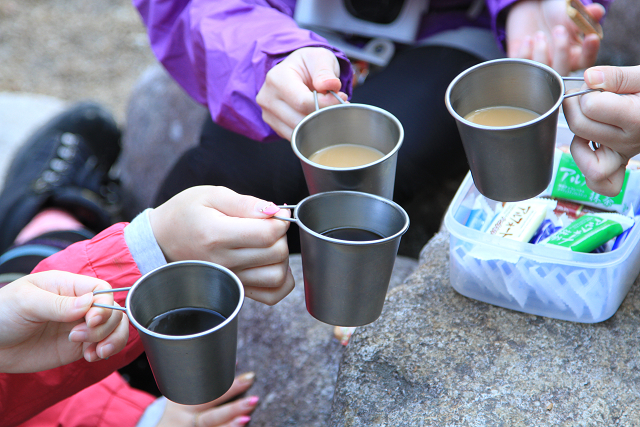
x=162, y=122
x=295, y=357
x=438, y=358
x=20, y=115
x=621, y=28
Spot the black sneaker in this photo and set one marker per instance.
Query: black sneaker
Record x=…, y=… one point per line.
x=64, y=164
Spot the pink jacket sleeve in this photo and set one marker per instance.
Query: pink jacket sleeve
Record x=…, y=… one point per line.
x=221, y=51
x=107, y=257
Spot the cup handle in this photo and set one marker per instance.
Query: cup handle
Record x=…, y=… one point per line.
x=285, y=207
x=582, y=92
x=315, y=98
x=106, y=291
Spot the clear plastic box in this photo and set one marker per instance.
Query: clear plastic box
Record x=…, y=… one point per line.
x=557, y=283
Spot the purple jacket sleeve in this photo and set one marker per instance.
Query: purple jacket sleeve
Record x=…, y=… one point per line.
x=220, y=51
x=498, y=11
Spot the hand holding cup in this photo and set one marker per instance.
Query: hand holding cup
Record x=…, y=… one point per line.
x=216, y=224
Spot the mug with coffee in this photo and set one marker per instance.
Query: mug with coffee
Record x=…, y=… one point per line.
x=186, y=313
x=507, y=111
x=350, y=147
x=349, y=241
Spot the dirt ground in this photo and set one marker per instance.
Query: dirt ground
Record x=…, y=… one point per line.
x=77, y=49
x=73, y=49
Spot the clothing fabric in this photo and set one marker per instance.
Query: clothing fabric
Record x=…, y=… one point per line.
x=23, y=396
x=108, y=403
x=221, y=51
x=431, y=147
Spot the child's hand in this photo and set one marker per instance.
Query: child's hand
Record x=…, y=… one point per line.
x=610, y=118
x=218, y=225
x=46, y=321
x=286, y=96
x=542, y=31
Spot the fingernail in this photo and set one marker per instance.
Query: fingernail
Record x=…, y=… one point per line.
x=247, y=378
x=240, y=421
x=105, y=351
x=270, y=209
x=594, y=78
x=84, y=300
x=559, y=30
x=250, y=402
x=78, y=336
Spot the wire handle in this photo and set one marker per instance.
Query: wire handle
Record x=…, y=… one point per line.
x=285, y=207
x=578, y=79
x=108, y=291
x=315, y=98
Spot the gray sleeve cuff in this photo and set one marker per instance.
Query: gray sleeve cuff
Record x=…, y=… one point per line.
x=153, y=413
x=142, y=243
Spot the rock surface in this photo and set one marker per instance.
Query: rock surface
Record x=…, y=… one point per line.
x=435, y=357
x=295, y=357
x=162, y=122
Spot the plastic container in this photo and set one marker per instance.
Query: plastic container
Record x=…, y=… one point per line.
x=536, y=279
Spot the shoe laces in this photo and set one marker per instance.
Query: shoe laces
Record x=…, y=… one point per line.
x=65, y=153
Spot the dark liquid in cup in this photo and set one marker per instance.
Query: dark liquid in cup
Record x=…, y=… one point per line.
x=185, y=321
x=352, y=234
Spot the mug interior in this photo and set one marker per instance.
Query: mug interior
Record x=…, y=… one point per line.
x=347, y=124
x=188, y=284
x=506, y=82
x=332, y=210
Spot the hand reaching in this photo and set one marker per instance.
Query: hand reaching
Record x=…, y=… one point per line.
x=218, y=225
x=542, y=31
x=286, y=96
x=611, y=118
x=46, y=321
x=217, y=413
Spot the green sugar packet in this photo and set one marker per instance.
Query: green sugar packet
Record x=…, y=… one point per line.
x=569, y=183
x=589, y=231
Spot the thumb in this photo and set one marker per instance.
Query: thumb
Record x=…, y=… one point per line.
x=614, y=79
x=324, y=69
x=50, y=307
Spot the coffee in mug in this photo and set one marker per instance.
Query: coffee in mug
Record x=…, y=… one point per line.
x=501, y=116
x=346, y=155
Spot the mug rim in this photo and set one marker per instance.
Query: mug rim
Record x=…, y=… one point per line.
x=310, y=116
x=175, y=264
x=551, y=71
x=314, y=233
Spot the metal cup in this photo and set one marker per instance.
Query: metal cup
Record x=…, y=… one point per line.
x=346, y=281
x=349, y=124
x=188, y=369
x=509, y=163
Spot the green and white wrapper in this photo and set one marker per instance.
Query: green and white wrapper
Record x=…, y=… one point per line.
x=569, y=183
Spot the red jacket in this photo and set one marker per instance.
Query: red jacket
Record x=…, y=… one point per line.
x=22, y=396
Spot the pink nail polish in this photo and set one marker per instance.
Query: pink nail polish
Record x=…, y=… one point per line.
x=270, y=209
x=252, y=401
x=243, y=420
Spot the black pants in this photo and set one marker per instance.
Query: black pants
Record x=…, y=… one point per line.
x=411, y=87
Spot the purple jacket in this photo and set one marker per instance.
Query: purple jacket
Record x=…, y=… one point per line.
x=220, y=51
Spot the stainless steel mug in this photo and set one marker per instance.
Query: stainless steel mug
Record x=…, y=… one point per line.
x=189, y=369
x=346, y=280
x=509, y=163
x=349, y=124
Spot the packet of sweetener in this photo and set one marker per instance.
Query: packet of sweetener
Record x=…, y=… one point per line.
x=590, y=231
x=520, y=220
x=569, y=183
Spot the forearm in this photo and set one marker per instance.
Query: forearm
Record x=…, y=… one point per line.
x=221, y=51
